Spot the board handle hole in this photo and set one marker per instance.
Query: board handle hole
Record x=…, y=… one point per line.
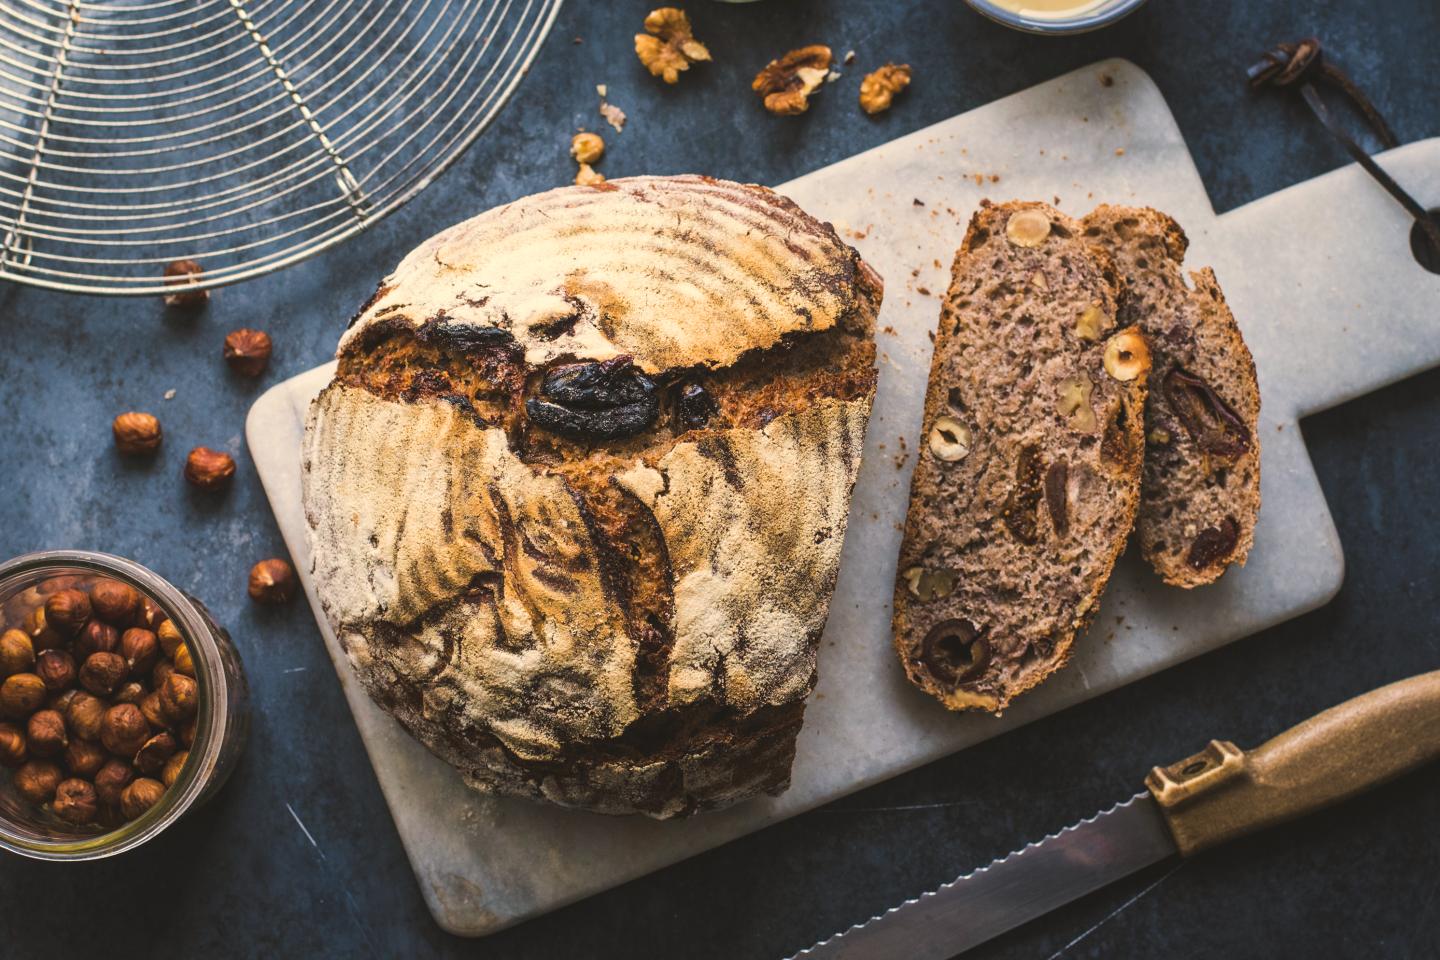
x=1421, y=247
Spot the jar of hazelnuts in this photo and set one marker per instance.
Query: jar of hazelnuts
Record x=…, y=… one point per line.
x=122, y=705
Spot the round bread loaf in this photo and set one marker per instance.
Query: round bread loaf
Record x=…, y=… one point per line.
x=577, y=492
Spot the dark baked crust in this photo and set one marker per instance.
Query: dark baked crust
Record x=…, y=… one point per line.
x=1200, y=493
x=1008, y=547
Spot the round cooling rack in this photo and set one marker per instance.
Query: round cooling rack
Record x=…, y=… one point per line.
x=243, y=134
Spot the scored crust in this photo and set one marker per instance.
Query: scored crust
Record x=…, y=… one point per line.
x=1200, y=493
x=1024, y=493
x=627, y=624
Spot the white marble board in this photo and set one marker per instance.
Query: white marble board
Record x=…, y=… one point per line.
x=1329, y=297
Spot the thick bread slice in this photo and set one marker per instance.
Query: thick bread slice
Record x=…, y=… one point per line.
x=1029, y=473
x=1200, y=492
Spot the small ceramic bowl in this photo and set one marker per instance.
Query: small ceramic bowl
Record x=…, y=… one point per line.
x=1087, y=16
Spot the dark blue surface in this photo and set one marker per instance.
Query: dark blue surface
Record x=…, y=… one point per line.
x=241, y=878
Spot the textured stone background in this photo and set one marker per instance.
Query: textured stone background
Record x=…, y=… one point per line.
x=240, y=878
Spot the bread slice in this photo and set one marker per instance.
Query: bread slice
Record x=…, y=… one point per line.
x=1200, y=493
x=1029, y=474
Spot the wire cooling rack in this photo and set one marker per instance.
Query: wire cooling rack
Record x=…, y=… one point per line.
x=244, y=134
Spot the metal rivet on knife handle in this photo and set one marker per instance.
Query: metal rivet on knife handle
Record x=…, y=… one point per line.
x=1223, y=792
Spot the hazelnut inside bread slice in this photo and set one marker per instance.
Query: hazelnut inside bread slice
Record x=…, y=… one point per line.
x=1200, y=492
x=1028, y=477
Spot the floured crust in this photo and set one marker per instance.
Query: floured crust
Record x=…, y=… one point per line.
x=672, y=271
x=627, y=626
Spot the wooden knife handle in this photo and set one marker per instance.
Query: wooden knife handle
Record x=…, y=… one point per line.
x=1224, y=792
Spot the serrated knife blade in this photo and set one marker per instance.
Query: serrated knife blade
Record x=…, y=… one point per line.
x=1033, y=880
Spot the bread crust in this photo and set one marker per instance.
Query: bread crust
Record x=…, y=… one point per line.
x=628, y=626
x=1186, y=492
x=1017, y=592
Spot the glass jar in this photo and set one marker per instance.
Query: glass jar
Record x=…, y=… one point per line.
x=1056, y=16
x=222, y=714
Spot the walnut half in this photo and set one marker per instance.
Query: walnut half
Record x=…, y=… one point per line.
x=786, y=84
x=668, y=47
x=878, y=89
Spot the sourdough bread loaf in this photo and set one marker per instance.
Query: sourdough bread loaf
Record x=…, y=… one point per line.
x=577, y=492
x=1200, y=493
x=1028, y=477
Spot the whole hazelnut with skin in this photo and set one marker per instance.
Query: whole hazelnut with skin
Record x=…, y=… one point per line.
x=67, y=611
x=42, y=635
x=124, y=730
x=21, y=695
x=209, y=469
x=111, y=780
x=45, y=733
x=101, y=673
x=136, y=434
x=17, y=653
x=272, y=581
x=66, y=581
x=162, y=670
x=151, y=616
x=140, y=796
x=151, y=758
x=183, y=662
x=173, y=766
x=152, y=710
x=179, y=697
x=36, y=780
x=132, y=692
x=75, y=801
x=12, y=746
x=187, y=731
x=56, y=668
x=140, y=649
x=61, y=701
x=169, y=636
x=247, y=351
x=97, y=637
x=182, y=275
x=84, y=758
x=85, y=716
x=114, y=602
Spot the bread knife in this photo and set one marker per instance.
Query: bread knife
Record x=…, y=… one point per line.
x=1219, y=794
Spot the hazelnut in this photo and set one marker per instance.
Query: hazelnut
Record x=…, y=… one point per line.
x=1126, y=355
x=949, y=439
x=140, y=796
x=878, y=89
x=786, y=84
x=183, y=275
x=45, y=733
x=124, y=730
x=102, y=672
x=136, y=433
x=153, y=711
x=21, y=695
x=12, y=746
x=272, y=581
x=75, y=801
x=668, y=47
x=151, y=615
x=187, y=731
x=169, y=637
x=61, y=701
x=178, y=697
x=17, y=653
x=97, y=637
x=36, y=780
x=85, y=716
x=65, y=581
x=209, y=469
x=929, y=585
x=140, y=649
x=56, y=668
x=67, y=611
x=1028, y=227
x=130, y=692
x=173, y=766
x=587, y=147
x=247, y=351
x=115, y=602
x=42, y=635
x=150, y=759
x=183, y=663
x=1091, y=323
x=84, y=758
x=111, y=781
x=162, y=670
x=1073, y=403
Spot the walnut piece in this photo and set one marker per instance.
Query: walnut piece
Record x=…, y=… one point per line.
x=668, y=47
x=588, y=176
x=878, y=89
x=587, y=147
x=786, y=84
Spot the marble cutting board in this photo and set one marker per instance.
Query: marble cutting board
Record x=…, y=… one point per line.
x=1327, y=293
